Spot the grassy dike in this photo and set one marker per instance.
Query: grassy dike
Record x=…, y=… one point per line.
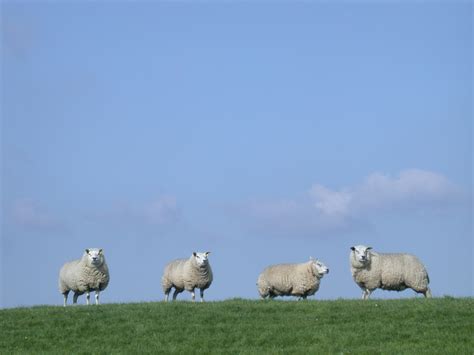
x=441, y=326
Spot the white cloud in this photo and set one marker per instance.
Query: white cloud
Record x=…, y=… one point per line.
x=323, y=209
x=159, y=211
x=330, y=202
x=28, y=213
x=274, y=209
x=18, y=35
x=410, y=189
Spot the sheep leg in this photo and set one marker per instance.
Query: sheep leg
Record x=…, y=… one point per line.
x=193, y=295
x=74, y=299
x=175, y=294
x=263, y=293
x=88, y=298
x=65, y=294
x=97, y=297
x=202, y=294
x=366, y=294
x=167, y=292
x=427, y=293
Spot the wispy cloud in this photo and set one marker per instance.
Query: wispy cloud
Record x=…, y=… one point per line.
x=29, y=213
x=295, y=218
x=331, y=202
x=412, y=188
x=322, y=209
x=160, y=211
x=18, y=35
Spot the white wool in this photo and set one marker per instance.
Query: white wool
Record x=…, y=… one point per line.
x=395, y=272
x=187, y=274
x=90, y=273
x=301, y=280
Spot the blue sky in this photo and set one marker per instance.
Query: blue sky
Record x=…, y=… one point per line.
x=263, y=132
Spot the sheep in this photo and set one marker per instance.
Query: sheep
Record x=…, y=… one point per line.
x=394, y=272
x=90, y=273
x=187, y=274
x=301, y=280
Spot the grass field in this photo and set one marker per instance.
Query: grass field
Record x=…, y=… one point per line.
x=442, y=326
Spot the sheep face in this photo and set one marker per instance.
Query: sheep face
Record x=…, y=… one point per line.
x=361, y=254
x=201, y=258
x=319, y=268
x=95, y=256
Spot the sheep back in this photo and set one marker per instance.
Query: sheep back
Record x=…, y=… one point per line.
x=80, y=277
x=394, y=272
x=186, y=274
x=173, y=275
x=288, y=280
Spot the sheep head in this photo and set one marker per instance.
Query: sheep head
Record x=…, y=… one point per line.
x=95, y=256
x=318, y=267
x=360, y=254
x=201, y=259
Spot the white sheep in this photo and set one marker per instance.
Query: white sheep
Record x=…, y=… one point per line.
x=90, y=273
x=394, y=272
x=187, y=274
x=301, y=280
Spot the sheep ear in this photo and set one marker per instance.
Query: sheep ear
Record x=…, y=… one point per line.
x=353, y=248
x=194, y=253
x=100, y=251
x=87, y=251
x=368, y=248
x=207, y=253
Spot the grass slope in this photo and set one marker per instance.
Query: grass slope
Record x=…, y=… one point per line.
x=443, y=325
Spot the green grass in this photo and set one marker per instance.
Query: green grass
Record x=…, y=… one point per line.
x=442, y=326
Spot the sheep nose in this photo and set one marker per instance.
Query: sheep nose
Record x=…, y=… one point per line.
x=327, y=271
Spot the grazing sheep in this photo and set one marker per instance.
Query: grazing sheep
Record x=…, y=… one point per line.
x=187, y=274
x=90, y=273
x=395, y=272
x=301, y=280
